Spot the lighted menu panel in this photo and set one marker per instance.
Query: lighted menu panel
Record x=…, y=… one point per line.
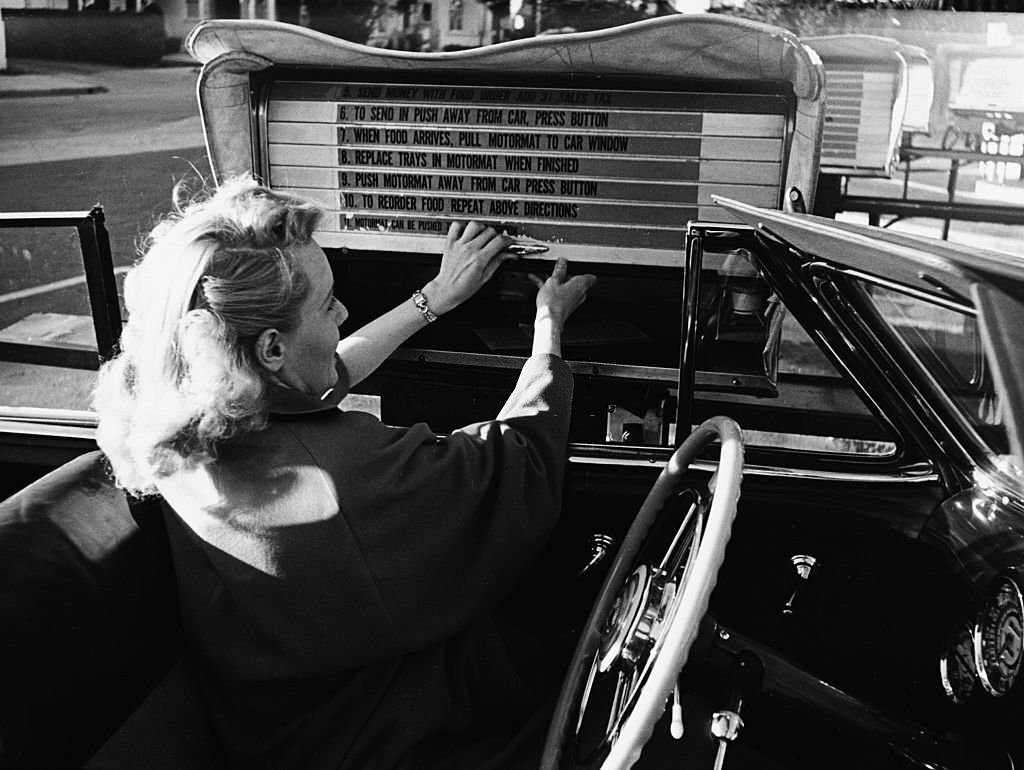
x=610, y=175
x=859, y=104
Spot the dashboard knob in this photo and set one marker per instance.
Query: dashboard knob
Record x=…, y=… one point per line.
x=804, y=565
x=598, y=546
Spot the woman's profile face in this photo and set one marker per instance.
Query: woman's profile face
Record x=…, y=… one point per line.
x=309, y=347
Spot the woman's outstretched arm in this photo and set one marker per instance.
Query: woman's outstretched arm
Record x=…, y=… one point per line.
x=472, y=254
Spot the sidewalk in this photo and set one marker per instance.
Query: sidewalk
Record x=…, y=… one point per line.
x=66, y=110
x=25, y=78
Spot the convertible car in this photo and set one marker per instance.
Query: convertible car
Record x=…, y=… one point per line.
x=794, y=504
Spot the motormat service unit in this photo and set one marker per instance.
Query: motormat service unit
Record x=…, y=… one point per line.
x=601, y=147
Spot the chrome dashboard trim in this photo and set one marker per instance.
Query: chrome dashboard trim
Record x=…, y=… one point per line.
x=82, y=425
x=764, y=470
x=44, y=421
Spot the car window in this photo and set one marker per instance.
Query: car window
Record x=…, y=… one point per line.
x=756, y=363
x=48, y=342
x=948, y=343
x=49, y=354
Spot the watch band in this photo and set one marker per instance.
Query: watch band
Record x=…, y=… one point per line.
x=421, y=304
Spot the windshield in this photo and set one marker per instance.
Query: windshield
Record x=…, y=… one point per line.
x=947, y=342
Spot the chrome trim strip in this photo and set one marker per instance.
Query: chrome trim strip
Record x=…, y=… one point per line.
x=423, y=355
x=33, y=415
x=936, y=298
x=50, y=429
x=763, y=470
x=47, y=430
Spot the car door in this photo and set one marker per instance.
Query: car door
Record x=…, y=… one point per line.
x=923, y=335
x=53, y=337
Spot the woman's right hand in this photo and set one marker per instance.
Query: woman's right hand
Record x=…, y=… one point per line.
x=558, y=296
x=472, y=254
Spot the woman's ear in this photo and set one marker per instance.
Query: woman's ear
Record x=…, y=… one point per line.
x=270, y=349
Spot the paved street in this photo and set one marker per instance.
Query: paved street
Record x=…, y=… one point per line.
x=135, y=190
x=91, y=134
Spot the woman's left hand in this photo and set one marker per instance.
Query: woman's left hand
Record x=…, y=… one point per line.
x=471, y=256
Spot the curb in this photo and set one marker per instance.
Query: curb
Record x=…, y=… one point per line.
x=179, y=60
x=49, y=78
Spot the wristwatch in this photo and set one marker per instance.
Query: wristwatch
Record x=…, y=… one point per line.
x=420, y=302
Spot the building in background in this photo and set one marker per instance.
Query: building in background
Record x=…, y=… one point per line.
x=432, y=25
x=445, y=25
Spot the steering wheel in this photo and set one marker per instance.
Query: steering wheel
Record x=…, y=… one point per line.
x=647, y=615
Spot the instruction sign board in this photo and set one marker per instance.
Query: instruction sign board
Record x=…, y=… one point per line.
x=865, y=103
x=610, y=174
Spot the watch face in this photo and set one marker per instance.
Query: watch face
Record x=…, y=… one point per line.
x=956, y=666
x=997, y=638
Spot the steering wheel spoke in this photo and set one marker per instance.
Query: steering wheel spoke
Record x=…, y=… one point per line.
x=683, y=538
x=619, y=701
x=647, y=615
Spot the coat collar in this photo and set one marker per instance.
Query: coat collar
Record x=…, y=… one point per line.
x=284, y=400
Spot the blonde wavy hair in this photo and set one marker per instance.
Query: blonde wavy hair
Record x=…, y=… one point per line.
x=213, y=275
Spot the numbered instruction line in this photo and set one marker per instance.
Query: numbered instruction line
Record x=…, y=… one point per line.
x=664, y=238
x=516, y=169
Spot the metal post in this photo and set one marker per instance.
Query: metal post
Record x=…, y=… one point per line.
x=3, y=43
x=99, y=274
x=954, y=174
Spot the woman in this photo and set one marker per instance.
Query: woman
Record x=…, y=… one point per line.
x=337, y=576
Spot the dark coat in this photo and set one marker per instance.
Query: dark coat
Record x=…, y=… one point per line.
x=338, y=576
